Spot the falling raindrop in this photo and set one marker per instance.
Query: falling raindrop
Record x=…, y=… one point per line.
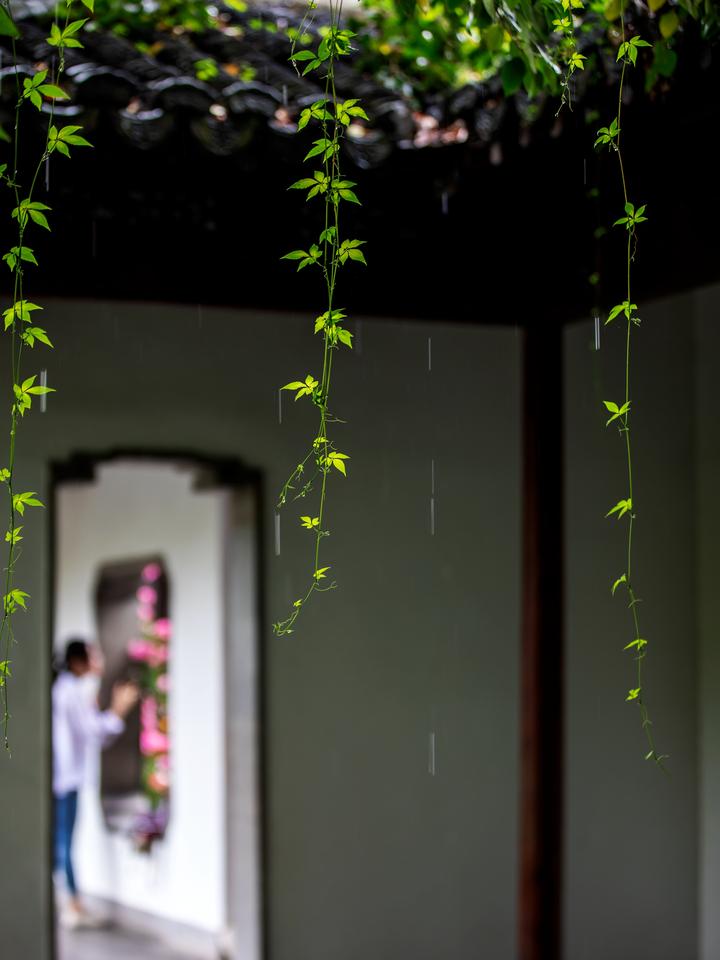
x=597, y=333
x=432, y=516
x=284, y=94
x=429, y=354
x=47, y=174
x=279, y=397
x=43, y=396
x=432, y=767
x=277, y=534
x=496, y=154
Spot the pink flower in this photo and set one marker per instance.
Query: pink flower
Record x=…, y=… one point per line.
x=158, y=782
x=163, y=628
x=145, y=612
x=157, y=655
x=151, y=572
x=148, y=713
x=139, y=649
x=163, y=683
x=147, y=595
x=162, y=763
x=152, y=741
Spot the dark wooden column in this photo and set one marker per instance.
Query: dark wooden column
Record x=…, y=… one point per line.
x=541, y=808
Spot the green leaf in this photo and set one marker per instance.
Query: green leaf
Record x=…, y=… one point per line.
x=22, y=500
x=337, y=460
x=637, y=643
x=304, y=388
x=15, y=598
x=621, y=508
x=615, y=410
x=302, y=55
x=622, y=579
x=16, y=254
x=50, y=90
x=344, y=336
x=66, y=36
x=321, y=146
x=21, y=310
x=69, y=135
x=633, y=694
x=313, y=65
x=39, y=218
x=512, y=73
x=31, y=334
x=7, y=26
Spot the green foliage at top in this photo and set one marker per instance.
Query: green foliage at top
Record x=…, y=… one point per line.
x=417, y=46
x=136, y=19
x=529, y=44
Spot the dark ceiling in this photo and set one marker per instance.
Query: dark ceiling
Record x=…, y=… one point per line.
x=488, y=231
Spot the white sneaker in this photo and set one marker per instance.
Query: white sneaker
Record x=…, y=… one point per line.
x=72, y=919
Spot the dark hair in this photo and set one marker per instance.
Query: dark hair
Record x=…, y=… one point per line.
x=76, y=649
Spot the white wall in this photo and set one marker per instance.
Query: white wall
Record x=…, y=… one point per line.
x=135, y=510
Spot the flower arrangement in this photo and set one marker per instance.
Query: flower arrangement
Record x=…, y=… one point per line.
x=150, y=649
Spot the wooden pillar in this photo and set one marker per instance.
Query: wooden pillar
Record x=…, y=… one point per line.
x=541, y=807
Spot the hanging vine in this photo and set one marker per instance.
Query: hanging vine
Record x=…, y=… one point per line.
x=332, y=115
x=22, y=178
x=568, y=51
x=621, y=412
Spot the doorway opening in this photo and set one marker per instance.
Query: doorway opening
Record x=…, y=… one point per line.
x=156, y=568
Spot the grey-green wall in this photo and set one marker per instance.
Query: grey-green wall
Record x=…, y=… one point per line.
x=369, y=855
x=707, y=491
x=632, y=833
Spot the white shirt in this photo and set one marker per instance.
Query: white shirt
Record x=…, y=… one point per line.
x=77, y=725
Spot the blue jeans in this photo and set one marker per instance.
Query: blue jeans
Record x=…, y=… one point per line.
x=65, y=812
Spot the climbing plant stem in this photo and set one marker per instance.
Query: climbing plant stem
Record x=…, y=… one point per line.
x=332, y=115
x=39, y=91
x=611, y=136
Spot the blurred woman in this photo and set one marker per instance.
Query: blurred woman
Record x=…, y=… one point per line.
x=78, y=726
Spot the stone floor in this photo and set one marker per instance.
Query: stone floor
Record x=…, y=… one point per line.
x=115, y=944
